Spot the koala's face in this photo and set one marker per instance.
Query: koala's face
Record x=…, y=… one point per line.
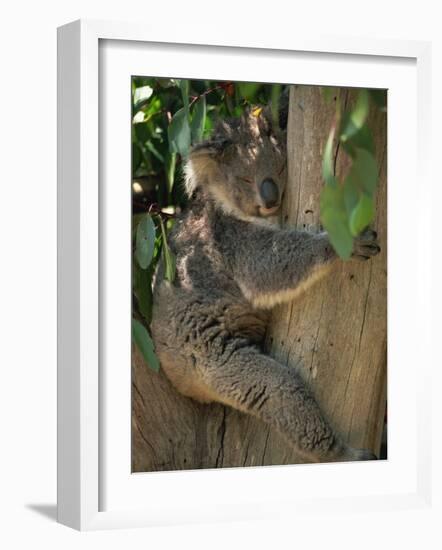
x=243, y=167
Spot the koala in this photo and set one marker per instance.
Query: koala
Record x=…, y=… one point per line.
x=233, y=264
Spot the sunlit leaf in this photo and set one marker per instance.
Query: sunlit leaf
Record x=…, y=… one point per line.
x=170, y=171
x=357, y=117
x=362, y=215
x=138, y=118
x=144, y=343
x=328, y=169
x=145, y=241
x=141, y=96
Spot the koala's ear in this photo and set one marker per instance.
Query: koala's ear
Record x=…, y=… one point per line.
x=202, y=164
x=263, y=119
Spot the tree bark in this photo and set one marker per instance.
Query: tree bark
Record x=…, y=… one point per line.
x=334, y=335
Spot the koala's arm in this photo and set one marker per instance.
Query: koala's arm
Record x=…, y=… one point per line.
x=272, y=265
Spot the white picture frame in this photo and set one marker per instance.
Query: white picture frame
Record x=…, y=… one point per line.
x=95, y=487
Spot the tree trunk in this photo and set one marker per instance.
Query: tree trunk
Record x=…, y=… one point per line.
x=335, y=335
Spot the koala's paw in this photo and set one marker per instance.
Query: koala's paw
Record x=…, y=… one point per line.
x=366, y=245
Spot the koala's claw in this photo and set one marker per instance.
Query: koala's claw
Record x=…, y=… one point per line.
x=366, y=245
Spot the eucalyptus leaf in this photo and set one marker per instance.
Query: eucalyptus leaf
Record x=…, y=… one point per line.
x=151, y=147
x=328, y=161
x=248, y=90
x=136, y=157
x=351, y=195
x=364, y=171
x=184, y=87
x=335, y=220
x=379, y=97
x=170, y=171
x=142, y=287
x=168, y=256
x=141, y=96
x=179, y=133
x=362, y=215
x=145, y=241
x=357, y=117
x=144, y=343
x=198, y=119
x=362, y=139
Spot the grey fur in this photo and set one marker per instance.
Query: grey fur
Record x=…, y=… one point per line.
x=234, y=263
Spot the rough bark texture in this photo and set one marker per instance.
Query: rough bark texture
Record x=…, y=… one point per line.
x=335, y=335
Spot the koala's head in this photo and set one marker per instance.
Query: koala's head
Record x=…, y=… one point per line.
x=242, y=167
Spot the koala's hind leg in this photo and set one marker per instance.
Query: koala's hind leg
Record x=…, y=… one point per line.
x=256, y=384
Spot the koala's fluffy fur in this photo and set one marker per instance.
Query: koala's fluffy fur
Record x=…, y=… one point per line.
x=234, y=263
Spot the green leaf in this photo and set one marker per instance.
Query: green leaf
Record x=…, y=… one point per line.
x=351, y=195
x=168, y=256
x=145, y=241
x=358, y=116
x=144, y=343
x=328, y=169
x=335, y=220
x=362, y=215
x=136, y=157
x=141, y=96
x=248, y=90
x=364, y=171
x=151, y=147
x=165, y=82
x=142, y=287
x=363, y=139
x=379, y=97
x=184, y=87
x=179, y=133
x=170, y=171
x=198, y=119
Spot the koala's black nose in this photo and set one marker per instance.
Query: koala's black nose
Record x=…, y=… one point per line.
x=269, y=193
